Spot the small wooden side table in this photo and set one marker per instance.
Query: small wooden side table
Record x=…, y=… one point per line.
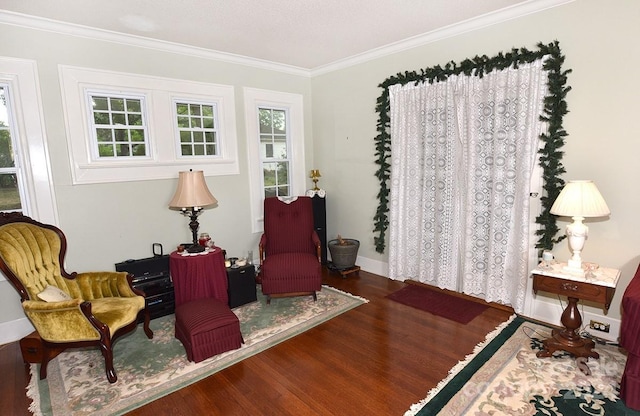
x=597, y=286
x=199, y=275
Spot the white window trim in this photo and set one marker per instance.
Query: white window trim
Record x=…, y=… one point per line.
x=160, y=93
x=16, y=147
x=216, y=123
x=254, y=98
x=22, y=77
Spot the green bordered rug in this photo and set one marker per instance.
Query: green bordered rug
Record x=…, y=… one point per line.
x=504, y=377
x=149, y=369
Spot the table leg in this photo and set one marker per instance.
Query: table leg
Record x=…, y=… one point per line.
x=568, y=339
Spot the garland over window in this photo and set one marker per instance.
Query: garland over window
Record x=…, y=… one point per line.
x=555, y=107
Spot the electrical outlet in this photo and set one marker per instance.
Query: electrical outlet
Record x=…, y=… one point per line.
x=599, y=326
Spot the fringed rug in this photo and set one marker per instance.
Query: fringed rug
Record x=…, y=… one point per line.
x=504, y=377
x=439, y=303
x=149, y=369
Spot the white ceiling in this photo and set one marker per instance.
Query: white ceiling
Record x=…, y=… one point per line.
x=306, y=34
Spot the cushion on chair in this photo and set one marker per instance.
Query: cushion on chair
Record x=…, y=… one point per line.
x=32, y=252
x=71, y=326
x=53, y=294
x=117, y=312
x=207, y=327
x=291, y=272
x=289, y=227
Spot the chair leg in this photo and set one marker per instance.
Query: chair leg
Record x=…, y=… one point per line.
x=147, y=330
x=107, y=353
x=268, y=299
x=315, y=297
x=45, y=361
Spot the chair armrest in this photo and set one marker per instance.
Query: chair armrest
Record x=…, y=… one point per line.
x=261, y=246
x=42, y=306
x=97, y=285
x=64, y=321
x=316, y=243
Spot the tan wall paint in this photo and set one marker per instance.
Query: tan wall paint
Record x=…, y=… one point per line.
x=598, y=39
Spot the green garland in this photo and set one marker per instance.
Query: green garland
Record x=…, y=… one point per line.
x=555, y=107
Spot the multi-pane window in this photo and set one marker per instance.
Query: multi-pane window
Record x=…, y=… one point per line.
x=139, y=129
x=274, y=151
x=119, y=125
x=275, y=121
x=10, y=199
x=197, y=129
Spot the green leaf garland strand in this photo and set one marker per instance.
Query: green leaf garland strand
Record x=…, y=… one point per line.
x=555, y=108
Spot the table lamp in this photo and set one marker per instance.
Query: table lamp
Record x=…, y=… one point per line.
x=579, y=200
x=190, y=198
x=314, y=175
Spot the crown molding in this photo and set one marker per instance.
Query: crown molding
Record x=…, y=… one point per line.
x=489, y=19
x=54, y=26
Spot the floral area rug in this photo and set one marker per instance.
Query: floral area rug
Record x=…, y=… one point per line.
x=504, y=377
x=149, y=369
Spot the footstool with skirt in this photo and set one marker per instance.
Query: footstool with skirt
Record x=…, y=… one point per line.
x=207, y=327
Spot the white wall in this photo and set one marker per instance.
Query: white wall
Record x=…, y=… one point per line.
x=600, y=44
x=109, y=223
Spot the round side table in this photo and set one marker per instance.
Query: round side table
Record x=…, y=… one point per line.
x=198, y=276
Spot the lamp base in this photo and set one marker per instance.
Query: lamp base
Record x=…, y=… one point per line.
x=195, y=248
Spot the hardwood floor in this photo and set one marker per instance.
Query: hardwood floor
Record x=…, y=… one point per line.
x=376, y=359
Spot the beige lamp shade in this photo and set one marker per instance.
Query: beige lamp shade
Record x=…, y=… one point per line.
x=192, y=191
x=580, y=199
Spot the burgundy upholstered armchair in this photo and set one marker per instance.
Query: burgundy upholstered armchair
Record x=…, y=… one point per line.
x=289, y=249
x=630, y=341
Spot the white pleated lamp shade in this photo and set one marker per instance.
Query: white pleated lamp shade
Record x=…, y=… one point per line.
x=192, y=191
x=580, y=199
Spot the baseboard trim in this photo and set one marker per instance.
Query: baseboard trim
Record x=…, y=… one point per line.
x=381, y=268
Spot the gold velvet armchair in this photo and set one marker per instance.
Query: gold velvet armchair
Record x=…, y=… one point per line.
x=67, y=309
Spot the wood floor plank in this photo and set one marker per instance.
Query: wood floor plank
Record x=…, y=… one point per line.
x=376, y=359
x=14, y=378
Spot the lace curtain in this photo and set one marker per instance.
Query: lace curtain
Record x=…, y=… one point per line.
x=462, y=155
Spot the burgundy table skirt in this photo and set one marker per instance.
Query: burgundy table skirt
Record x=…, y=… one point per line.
x=199, y=276
x=630, y=341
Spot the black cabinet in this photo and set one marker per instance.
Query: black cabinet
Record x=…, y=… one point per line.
x=242, y=285
x=320, y=223
x=151, y=275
